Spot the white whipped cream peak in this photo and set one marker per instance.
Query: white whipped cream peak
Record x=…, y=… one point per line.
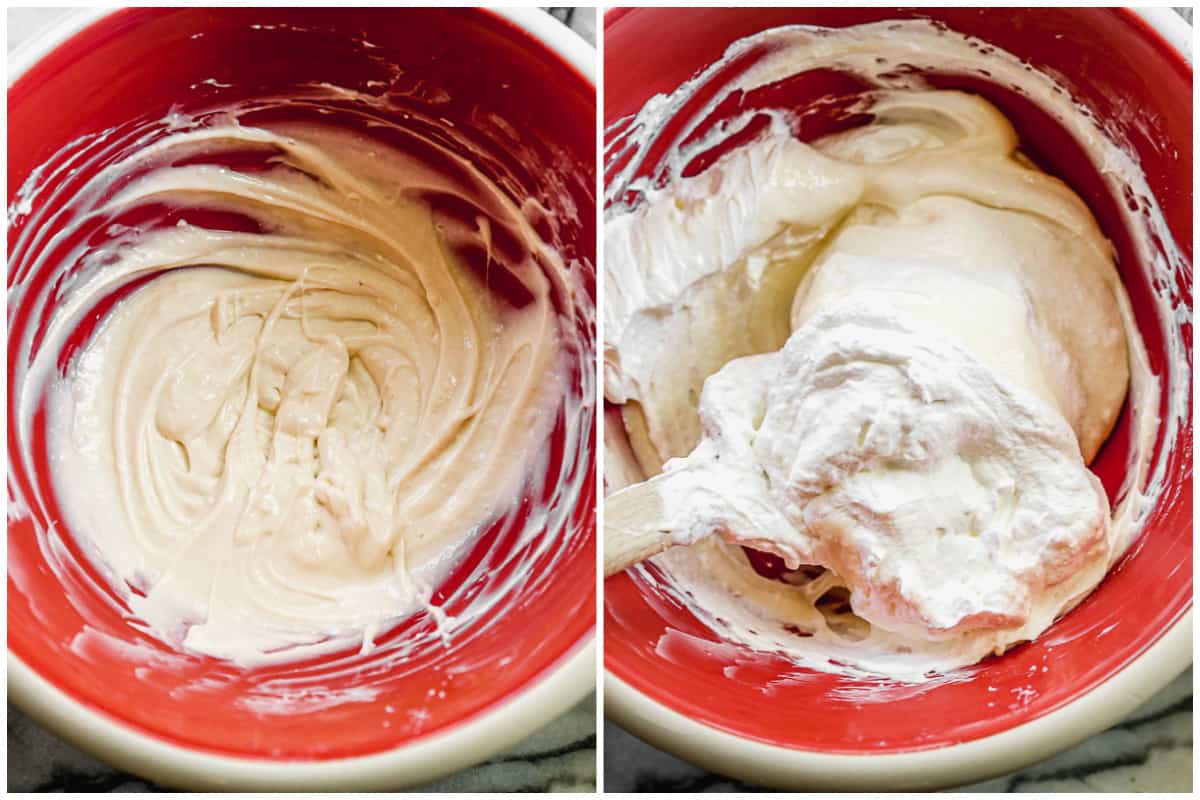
x=946, y=499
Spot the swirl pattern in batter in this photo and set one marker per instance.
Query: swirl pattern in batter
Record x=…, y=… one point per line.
x=288, y=436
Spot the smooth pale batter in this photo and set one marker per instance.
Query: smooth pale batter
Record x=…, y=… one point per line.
x=885, y=357
x=290, y=441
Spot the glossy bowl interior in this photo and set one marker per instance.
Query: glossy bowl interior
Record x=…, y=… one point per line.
x=76, y=661
x=674, y=681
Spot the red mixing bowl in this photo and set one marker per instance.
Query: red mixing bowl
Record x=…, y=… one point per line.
x=759, y=717
x=344, y=721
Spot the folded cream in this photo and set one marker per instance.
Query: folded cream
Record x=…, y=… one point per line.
x=886, y=357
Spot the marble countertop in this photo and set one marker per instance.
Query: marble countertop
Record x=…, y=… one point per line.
x=560, y=757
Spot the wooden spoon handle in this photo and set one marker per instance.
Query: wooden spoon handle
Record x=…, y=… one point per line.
x=634, y=525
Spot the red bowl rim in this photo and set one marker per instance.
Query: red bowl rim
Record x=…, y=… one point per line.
x=953, y=765
x=471, y=740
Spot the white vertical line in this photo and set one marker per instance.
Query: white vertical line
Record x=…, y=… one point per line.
x=600, y=9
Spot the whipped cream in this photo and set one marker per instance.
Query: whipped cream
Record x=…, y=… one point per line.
x=885, y=356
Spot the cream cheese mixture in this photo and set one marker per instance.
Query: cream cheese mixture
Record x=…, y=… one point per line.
x=289, y=436
x=887, y=357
